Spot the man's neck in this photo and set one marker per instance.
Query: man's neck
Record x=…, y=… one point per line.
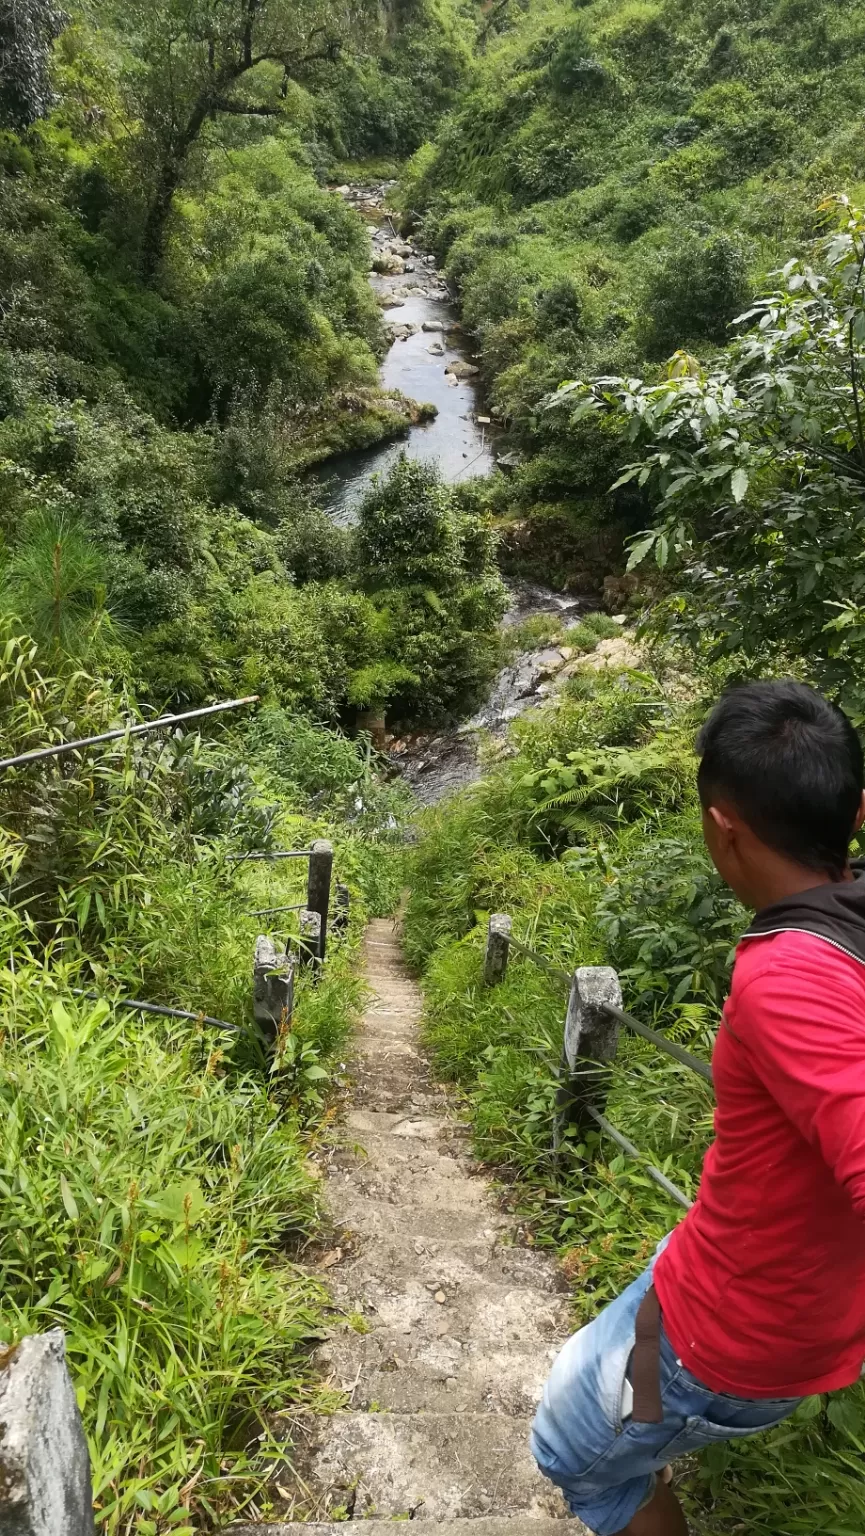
x=781, y=879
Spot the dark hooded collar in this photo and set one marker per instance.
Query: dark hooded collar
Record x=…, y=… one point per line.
x=834, y=912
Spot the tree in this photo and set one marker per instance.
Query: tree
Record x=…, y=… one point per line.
x=27, y=30
x=431, y=570
x=198, y=59
x=757, y=466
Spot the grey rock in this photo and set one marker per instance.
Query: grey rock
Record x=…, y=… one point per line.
x=272, y=987
x=498, y=948
x=589, y=1029
x=45, y=1487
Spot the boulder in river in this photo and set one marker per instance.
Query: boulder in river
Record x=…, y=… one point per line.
x=436, y=348
x=461, y=370
x=387, y=264
x=433, y=325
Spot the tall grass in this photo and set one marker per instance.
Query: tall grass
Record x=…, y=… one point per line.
x=157, y=1192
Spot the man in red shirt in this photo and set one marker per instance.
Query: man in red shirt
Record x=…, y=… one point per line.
x=758, y=1297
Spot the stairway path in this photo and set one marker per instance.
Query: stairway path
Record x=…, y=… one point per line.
x=444, y=1330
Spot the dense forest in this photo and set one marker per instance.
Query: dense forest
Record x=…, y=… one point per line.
x=648, y=213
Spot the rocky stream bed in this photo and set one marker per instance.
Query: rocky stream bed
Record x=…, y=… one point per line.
x=430, y=360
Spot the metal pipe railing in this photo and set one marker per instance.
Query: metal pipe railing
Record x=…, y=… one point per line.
x=590, y=1039
x=250, y=858
x=628, y=1146
x=139, y=728
x=669, y=1047
x=540, y=960
x=135, y=1005
x=678, y=1052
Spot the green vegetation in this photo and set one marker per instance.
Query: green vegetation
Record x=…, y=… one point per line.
x=154, y=1172
x=590, y=837
x=187, y=324
x=617, y=184
x=757, y=466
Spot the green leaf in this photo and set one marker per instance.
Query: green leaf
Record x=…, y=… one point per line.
x=180, y=1202
x=738, y=484
x=640, y=549
x=68, y=1198
x=315, y=1074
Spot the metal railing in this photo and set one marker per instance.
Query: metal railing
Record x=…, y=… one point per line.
x=133, y=728
x=591, y=1036
x=273, y=970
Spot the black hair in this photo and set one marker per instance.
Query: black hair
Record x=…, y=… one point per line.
x=791, y=764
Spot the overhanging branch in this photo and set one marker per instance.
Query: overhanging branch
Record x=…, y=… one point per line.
x=245, y=109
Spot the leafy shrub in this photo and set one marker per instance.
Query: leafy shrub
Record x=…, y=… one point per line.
x=431, y=570
x=693, y=292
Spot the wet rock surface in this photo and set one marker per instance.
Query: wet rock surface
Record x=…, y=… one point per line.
x=437, y=765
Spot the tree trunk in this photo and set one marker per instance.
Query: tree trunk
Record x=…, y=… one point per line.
x=170, y=173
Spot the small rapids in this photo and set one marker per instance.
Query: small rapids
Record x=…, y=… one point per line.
x=437, y=765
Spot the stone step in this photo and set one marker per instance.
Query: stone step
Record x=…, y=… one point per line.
x=444, y=1466
x=483, y=1315
x=485, y=1525
x=444, y=1263
x=444, y=1185
x=376, y=1219
x=382, y=1371
x=396, y=1085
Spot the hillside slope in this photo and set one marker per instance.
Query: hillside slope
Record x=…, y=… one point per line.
x=619, y=182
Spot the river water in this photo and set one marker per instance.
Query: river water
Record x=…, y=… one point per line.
x=416, y=365
x=438, y=764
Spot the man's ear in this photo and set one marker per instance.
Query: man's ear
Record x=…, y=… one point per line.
x=860, y=814
x=725, y=825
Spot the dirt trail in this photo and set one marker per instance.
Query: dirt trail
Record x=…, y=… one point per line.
x=446, y=1330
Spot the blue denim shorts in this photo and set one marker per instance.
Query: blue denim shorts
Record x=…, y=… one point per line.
x=606, y=1464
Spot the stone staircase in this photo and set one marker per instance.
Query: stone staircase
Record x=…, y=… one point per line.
x=444, y=1330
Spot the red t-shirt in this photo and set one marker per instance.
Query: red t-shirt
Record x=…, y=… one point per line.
x=762, y=1285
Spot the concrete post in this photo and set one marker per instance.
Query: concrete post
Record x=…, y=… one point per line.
x=318, y=887
x=272, y=987
x=498, y=948
x=310, y=937
x=591, y=1040
x=45, y=1487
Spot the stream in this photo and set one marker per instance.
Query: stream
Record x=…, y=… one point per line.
x=429, y=359
x=427, y=341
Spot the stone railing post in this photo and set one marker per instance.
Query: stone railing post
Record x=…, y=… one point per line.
x=272, y=988
x=318, y=887
x=498, y=948
x=310, y=937
x=591, y=1041
x=45, y=1487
